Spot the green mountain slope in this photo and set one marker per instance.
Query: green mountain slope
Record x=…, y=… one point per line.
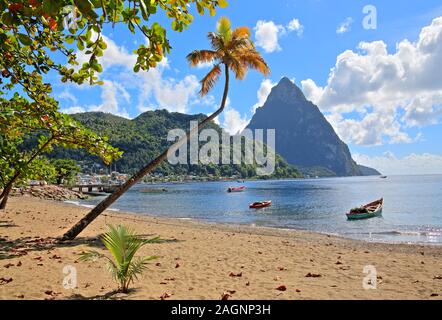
x=145, y=137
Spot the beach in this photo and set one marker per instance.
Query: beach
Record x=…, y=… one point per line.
x=204, y=261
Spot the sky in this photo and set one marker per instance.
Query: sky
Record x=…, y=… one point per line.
x=372, y=67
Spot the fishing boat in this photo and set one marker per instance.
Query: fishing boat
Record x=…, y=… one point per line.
x=260, y=204
x=153, y=190
x=236, y=189
x=373, y=209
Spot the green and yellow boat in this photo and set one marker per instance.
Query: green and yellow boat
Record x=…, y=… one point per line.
x=371, y=210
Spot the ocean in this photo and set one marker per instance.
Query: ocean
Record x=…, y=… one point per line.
x=412, y=208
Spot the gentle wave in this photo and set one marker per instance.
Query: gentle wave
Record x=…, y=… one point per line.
x=90, y=206
x=400, y=233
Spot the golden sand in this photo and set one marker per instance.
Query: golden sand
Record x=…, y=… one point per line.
x=204, y=261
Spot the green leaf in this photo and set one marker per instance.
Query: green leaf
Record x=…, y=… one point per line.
x=222, y=3
x=212, y=11
x=80, y=45
x=144, y=10
x=24, y=39
x=85, y=6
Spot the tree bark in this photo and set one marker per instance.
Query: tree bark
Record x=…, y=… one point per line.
x=8, y=188
x=102, y=206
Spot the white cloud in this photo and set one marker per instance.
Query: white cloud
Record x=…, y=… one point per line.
x=295, y=25
x=233, y=122
x=263, y=92
x=371, y=130
x=345, y=26
x=152, y=89
x=73, y=109
x=268, y=33
x=69, y=102
x=389, y=164
x=112, y=94
x=204, y=65
x=176, y=95
x=67, y=95
x=392, y=91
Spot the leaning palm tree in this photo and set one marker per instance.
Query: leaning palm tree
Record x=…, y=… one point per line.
x=231, y=50
x=123, y=244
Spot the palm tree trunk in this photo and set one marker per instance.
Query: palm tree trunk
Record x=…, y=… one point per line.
x=95, y=212
x=8, y=188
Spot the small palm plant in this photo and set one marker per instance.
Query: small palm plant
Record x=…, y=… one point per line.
x=123, y=244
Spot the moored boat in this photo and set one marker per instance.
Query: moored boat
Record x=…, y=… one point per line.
x=236, y=189
x=260, y=204
x=153, y=190
x=371, y=210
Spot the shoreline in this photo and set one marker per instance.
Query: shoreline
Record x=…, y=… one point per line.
x=78, y=203
x=197, y=258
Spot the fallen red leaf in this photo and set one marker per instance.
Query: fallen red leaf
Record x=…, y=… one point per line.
x=225, y=296
x=235, y=274
x=282, y=288
x=5, y=280
x=313, y=275
x=165, y=295
x=7, y=266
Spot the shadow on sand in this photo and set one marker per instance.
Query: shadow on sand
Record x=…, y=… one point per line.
x=15, y=248
x=112, y=295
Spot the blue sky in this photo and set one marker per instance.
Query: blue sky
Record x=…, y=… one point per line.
x=378, y=87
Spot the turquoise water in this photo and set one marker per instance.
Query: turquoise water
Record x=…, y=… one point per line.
x=412, y=210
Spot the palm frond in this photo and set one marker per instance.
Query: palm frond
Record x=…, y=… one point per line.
x=114, y=271
x=90, y=256
x=137, y=267
x=210, y=79
x=201, y=56
x=224, y=29
x=241, y=32
x=238, y=68
x=153, y=240
x=253, y=60
x=216, y=41
x=113, y=240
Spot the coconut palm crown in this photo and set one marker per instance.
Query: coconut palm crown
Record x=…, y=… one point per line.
x=232, y=48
